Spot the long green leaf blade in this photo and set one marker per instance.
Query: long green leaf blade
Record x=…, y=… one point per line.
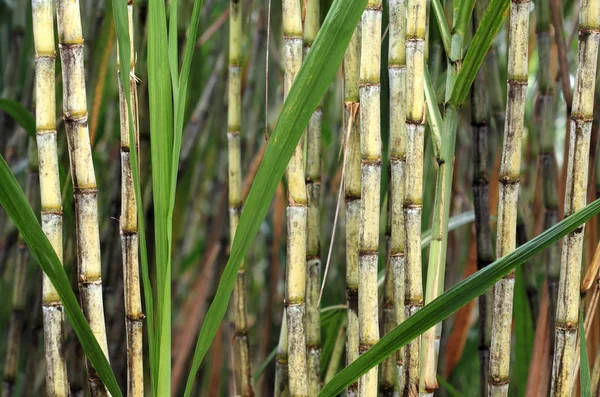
x=15, y=203
x=454, y=299
x=314, y=76
x=20, y=114
x=585, y=381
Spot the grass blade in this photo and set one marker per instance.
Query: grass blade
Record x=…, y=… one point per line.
x=454, y=299
x=15, y=203
x=584, y=368
x=316, y=72
x=20, y=114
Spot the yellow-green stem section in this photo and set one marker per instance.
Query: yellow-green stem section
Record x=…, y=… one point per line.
x=567, y=312
x=297, y=216
x=508, y=195
x=129, y=228
x=51, y=201
x=84, y=180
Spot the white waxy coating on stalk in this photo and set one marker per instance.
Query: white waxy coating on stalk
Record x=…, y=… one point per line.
x=57, y=384
x=508, y=195
x=84, y=180
x=567, y=314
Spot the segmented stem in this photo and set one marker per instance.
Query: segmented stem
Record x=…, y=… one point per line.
x=85, y=191
x=567, y=313
x=508, y=194
x=352, y=194
x=57, y=384
x=313, y=248
x=129, y=228
x=297, y=216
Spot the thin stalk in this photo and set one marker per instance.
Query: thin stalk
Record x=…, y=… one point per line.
x=313, y=247
x=397, y=84
x=129, y=228
x=51, y=200
x=281, y=362
x=567, y=312
x=85, y=192
x=352, y=194
x=297, y=215
x=481, y=199
x=388, y=366
x=370, y=179
x=413, y=186
x=234, y=116
x=336, y=354
x=17, y=314
x=508, y=194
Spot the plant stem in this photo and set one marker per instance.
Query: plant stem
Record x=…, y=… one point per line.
x=370, y=151
x=397, y=81
x=297, y=216
x=281, y=362
x=508, y=194
x=129, y=228
x=51, y=201
x=565, y=350
x=18, y=309
x=413, y=187
x=234, y=115
x=481, y=199
x=85, y=191
x=313, y=247
x=352, y=194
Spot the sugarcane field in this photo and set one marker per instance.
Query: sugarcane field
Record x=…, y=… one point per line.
x=299, y=198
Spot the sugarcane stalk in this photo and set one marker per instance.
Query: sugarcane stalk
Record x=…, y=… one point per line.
x=352, y=194
x=313, y=247
x=370, y=179
x=129, y=226
x=85, y=191
x=388, y=366
x=234, y=115
x=397, y=84
x=281, y=362
x=17, y=313
x=508, y=194
x=481, y=200
x=416, y=22
x=57, y=384
x=297, y=216
x=567, y=311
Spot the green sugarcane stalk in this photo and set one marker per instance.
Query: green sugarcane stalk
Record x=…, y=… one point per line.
x=129, y=228
x=313, y=247
x=85, y=191
x=297, y=215
x=243, y=367
x=508, y=195
x=370, y=167
x=481, y=199
x=352, y=194
x=567, y=311
x=51, y=200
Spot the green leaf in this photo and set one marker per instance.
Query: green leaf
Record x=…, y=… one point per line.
x=440, y=17
x=585, y=381
x=491, y=23
x=21, y=115
x=452, y=300
x=524, y=331
x=317, y=71
x=15, y=203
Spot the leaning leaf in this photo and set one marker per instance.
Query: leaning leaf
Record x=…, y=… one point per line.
x=21, y=115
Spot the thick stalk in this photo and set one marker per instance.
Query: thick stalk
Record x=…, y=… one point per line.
x=313, y=247
x=567, y=311
x=508, y=194
x=413, y=193
x=17, y=314
x=234, y=116
x=397, y=81
x=297, y=215
x=481, y=199
x=370, y=179
x=57, y=384
x=352, y=194
x=85, y=191
x=129, y=229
